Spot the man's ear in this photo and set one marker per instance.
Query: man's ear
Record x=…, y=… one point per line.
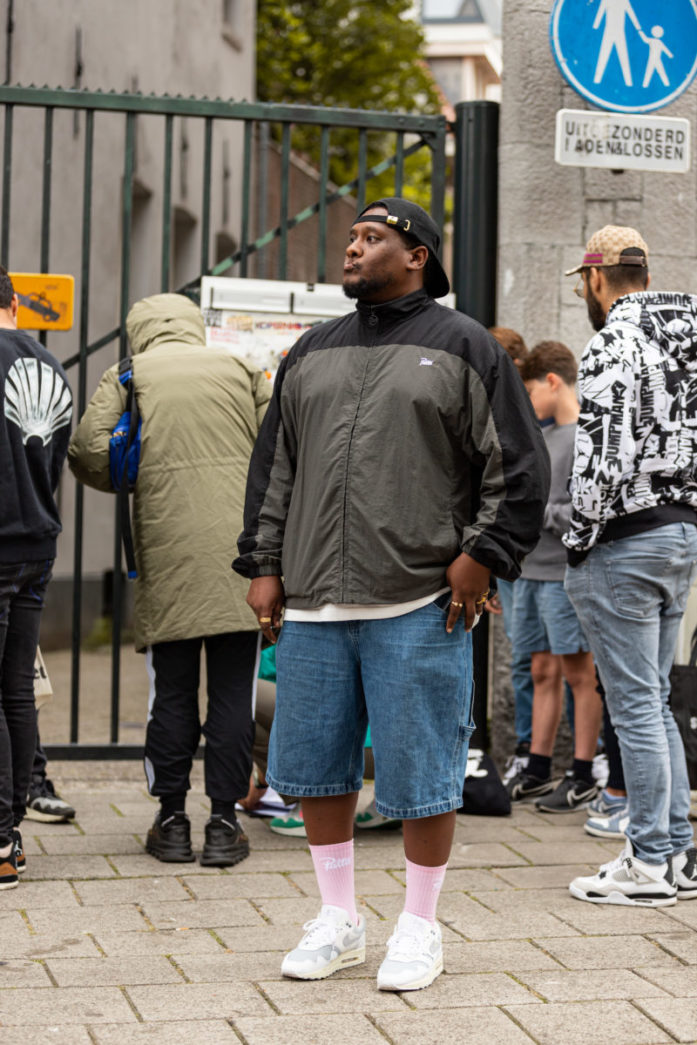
x=553, y=380
x=418, y=256
x=14, y=305
x=596, y=280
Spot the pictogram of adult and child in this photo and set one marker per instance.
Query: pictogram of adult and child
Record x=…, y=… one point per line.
x=614, y=15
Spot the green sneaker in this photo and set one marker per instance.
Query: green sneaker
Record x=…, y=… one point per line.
x=371, y=818
x=291, y=824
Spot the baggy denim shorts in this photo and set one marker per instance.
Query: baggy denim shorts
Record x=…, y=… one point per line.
x=407, y=677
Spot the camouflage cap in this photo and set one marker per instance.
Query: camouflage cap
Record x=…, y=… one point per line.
x=606, y=247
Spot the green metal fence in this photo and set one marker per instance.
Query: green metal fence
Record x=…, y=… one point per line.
x=400, y=137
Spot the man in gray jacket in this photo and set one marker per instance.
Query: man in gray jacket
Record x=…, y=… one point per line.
x=398, y=467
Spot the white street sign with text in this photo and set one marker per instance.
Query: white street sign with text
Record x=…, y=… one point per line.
x=610, y=139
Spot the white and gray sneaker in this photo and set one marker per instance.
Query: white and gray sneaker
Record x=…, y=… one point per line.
x=613, y=826
x=628, y=881
x=685, y=870
x=414, y=955
x=331, y=942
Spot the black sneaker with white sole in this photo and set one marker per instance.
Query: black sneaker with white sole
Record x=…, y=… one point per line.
x=685, y=871
x=523, y=786
x=568, y=796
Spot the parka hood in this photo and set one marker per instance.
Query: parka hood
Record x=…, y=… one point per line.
x=162, y=318
x=668, y=319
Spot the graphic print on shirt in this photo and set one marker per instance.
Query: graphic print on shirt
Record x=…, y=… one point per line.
x=636, y=444
x=37, y=399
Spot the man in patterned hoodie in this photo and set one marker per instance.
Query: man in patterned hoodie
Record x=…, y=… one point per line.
x=632, y=549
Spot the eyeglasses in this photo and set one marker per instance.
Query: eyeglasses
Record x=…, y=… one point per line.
x=580, y=288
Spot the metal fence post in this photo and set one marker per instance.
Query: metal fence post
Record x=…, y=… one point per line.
x=474, y=283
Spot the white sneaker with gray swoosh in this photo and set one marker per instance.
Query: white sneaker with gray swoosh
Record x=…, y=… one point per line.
x=414, y=955
x=331, y=942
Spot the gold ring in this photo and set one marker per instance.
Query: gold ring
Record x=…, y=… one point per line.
x=458, y=604
x=264, y=620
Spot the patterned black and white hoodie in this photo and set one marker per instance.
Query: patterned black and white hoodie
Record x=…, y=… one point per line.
x=635, y=456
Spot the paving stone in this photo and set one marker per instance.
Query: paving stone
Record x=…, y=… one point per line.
x=301, y=909
x=208, y=914
x=681, y=983
x=490, y=854
x=184, y=941
x=224, y=886
x=678, y=1016
x=608, y=952
x=106, y=845
x=684, y=913
x=587, y=1023
x=554, y=831
x=331, y=996
x=572, y=853
x=489, y=1025
x=552, y=901
x=134, y=807
x=202, y=1032
x=86, y=972
x=54, y=1035
x=19, y=973
x=12, y=923
x=311, y=1030
x=131, y=890
x=279, y=860
x=95, y=918
x=682, y=944
x=139, y=865
x=475, y=830
x=265, y=937
x=475, y=923
x=542, y=877
x=68, y=866
x=42, y=945
x=212, y=1001
x=453, y=991
x=588, y=985
x=513, y=956
x=377, y=857
x=82, y=1005
x=604, y=919
x=38, y=894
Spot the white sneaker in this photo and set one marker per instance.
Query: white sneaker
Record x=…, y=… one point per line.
x=515, y=764
x=685, y=870
x=601, y=769
x=331, y=942
x=629, y=882
x=614, y=826
x=414, y=955
x=371, y=818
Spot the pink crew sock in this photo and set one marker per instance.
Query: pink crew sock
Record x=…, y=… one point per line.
x=423, y=889
x=334, y=870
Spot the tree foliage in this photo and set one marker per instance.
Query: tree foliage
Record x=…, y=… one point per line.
x=365, y=54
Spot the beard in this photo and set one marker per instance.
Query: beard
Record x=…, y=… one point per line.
x=365, y=287
x=595, y=311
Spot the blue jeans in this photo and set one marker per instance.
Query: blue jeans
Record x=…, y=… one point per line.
x=22, y=590
x=520, y=668
x=630, y=597
x=405, y=675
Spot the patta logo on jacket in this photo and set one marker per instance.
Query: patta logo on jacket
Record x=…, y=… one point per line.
x=37, y=399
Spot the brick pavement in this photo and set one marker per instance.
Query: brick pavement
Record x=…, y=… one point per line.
x=101, y=944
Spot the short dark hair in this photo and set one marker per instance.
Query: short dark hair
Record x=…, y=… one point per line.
x=621, y=276
x=6, y=289
x=511, y=341
x=550, y=357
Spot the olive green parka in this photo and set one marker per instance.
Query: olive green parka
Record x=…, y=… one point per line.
x=201, y=408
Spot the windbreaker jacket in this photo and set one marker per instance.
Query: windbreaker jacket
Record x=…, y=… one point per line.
x=201, y=409
x=635, y=457
x=398, y=436
x=35, y=414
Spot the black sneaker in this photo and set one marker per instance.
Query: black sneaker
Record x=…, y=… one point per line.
x=20, y=858
x=45, y=805
x=9, y=878
x=525, y=786
x=170, y=840
x=685, y=869
x=568, y=796
x=226, y=843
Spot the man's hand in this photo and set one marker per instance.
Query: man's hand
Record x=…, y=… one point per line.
x=469, y=583
x=266, y=597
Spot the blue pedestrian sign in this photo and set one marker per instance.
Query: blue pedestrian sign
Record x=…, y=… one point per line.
x=626, y=55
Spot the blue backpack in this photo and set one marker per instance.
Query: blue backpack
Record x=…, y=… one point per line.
x=124, y=458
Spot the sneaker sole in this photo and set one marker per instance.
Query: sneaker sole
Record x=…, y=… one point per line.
x=562, y=809
x=223, y=859
x=687, y=894
x=9, y=885
x=620, y=900
x=415, y=985
x=48, y=818
x=342, y=961
x=169, y=858
x=292, y=832
x=599, y=833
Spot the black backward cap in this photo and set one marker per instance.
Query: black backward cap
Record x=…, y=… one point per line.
x=412, y=219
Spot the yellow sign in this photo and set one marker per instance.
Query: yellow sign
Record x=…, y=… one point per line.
x=45, y=300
